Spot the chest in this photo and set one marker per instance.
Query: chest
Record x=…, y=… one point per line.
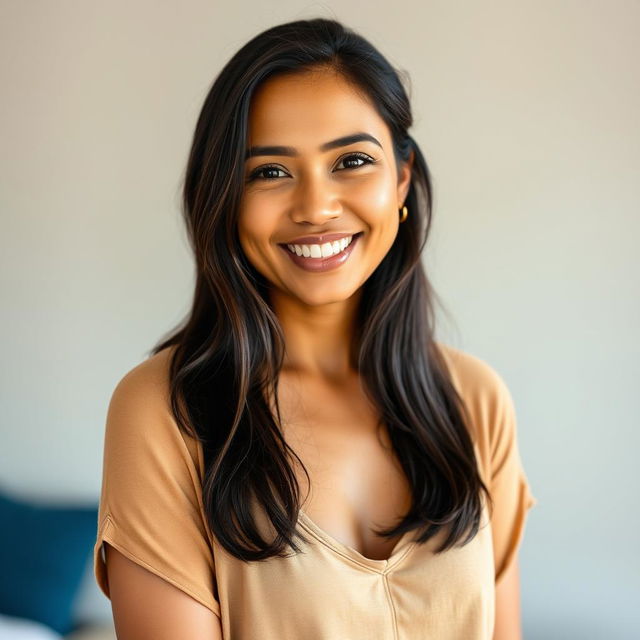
x=356, y=483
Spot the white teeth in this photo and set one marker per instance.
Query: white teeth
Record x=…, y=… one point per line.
x=327, y=250
x=320, y=251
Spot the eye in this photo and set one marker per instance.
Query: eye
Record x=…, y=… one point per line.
x=258, y=174
x=357, y=156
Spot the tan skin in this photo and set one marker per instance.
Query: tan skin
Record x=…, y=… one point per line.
x=357, y=483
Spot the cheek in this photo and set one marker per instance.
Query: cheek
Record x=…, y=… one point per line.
x=256, y=224
x=375, y=203
x=375, y=206
x=375, y=199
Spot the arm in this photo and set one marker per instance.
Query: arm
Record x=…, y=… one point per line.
x=508, y=625
x=146, y=606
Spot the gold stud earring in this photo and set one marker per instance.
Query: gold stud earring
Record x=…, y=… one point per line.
x=404, y=214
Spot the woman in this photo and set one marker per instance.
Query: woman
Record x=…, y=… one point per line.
x=301, y=459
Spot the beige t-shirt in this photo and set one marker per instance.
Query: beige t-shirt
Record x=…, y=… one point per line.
x=151, y=510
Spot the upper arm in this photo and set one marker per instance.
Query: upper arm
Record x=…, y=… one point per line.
x=152, y=512
x=146, y=606
x=508, y=483
x=507, y=621
x=495, y=431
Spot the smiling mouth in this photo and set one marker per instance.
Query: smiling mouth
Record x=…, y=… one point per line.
x=320, y=251
x=309, y=260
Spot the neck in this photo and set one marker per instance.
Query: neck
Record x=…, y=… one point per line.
x=318, y=339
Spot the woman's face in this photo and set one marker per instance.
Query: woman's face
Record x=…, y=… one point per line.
x=303, y=182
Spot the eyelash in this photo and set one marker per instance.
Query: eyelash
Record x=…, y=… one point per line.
x=255, y=174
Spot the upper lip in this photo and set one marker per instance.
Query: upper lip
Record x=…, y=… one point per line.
x=327, y=237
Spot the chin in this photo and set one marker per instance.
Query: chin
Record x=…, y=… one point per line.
x=324, y=295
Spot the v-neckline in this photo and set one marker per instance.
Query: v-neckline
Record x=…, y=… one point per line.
x=399, y=551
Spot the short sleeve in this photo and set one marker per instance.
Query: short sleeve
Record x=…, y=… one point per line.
x=150, y=504
x=509, y=486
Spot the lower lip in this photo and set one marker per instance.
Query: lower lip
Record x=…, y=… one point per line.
x=322, y=264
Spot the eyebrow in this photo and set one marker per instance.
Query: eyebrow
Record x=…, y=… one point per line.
x=291, y=151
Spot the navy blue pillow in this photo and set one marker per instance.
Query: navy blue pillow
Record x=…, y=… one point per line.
x=44, y=550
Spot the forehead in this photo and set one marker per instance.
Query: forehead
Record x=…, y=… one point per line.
x=311, y=107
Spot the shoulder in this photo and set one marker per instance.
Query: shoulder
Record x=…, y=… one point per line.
x=143, y=391
x=485, y=396
x=139, y=411
x=473, y=377
x=148, y=380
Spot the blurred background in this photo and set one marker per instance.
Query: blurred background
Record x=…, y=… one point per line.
x=527, y=113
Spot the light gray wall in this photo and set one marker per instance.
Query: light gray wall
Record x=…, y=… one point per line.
x=527, y=114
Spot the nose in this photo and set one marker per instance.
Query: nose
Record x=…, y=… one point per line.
x=316, y=201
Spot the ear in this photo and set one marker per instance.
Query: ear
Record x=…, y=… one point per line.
x=404, y=180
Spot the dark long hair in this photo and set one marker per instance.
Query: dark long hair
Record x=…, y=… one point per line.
x=229, y=349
